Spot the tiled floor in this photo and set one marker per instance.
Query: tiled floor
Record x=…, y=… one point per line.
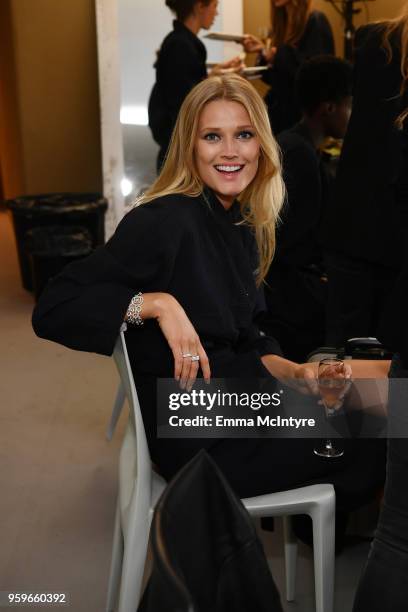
x=58, y=474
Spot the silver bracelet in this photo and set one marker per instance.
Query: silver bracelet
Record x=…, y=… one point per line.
x=133, y=312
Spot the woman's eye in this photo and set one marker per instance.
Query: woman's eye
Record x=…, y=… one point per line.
x=211, y=136
x=246, y=135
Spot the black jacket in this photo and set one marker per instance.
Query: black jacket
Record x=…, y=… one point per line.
x=190, y=247
x=363, y=219
x=180, y=65
x=206, y=553
x=317, y=39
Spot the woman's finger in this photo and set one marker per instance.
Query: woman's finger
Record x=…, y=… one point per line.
x=204, y=363
x=185, y=370
x=193, y=369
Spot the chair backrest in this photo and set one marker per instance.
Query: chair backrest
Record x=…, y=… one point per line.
x=143, y=462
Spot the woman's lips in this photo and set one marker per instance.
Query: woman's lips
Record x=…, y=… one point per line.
x=229, y=170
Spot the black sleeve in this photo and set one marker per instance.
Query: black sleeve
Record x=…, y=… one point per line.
x=253, y=339
x=84, y=306
x=302, y=209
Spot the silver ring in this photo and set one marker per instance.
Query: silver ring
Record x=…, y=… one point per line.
x=195, y=357
x=184, y=355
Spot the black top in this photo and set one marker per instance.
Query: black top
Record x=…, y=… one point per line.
x=317, y=39
x=180, y=65
x=190, y=247
x=307, y=193
x=363, y=221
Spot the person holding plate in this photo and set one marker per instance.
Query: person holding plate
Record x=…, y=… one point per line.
x=297, y=33
x=181, y=64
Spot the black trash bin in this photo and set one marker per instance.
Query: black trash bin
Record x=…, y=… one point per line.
x=64, y=209
x=51, y=248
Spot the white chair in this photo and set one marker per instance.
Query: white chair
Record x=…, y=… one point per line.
x=140, y=488
x=116, y=410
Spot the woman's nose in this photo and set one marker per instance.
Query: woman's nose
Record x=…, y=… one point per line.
x=230, y=148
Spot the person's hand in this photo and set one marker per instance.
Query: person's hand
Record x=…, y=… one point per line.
x=305, y=379
x=235, y=64
x=306, y=375
x=269, y=54
x=181, y=337
x=252, y=44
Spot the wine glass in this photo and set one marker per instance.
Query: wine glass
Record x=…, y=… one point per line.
x=332, y=381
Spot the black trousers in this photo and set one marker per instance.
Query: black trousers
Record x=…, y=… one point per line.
x=256, y=466
x=383, y=586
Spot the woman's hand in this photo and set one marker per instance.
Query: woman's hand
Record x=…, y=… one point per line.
x=180, y=335
x=306, y=378
x=302, y=377
x=235, y=64
x=252, y=44
x=269, y=54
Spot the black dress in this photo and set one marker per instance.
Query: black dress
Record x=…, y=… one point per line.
x=180, y=65
x=317, y=39
x=192, y=248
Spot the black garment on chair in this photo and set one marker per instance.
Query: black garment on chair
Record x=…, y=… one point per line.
x=207, y=556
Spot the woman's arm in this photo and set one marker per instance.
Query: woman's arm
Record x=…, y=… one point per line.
x=305, y=375
x=302, y=376
x=84, y=306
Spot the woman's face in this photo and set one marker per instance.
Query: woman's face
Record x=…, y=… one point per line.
x=207, y=13
x=226, y=149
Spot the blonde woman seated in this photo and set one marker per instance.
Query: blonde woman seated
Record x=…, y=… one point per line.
x=188, y=262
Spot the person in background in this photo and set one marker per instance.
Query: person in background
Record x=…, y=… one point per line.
x=181, y=64
x=361, y=233
x=296, y=288
x=383, y=584
x=297, y=33
x=188, y=262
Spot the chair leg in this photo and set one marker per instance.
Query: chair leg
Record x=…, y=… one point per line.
x=136, y=543
x=291, y=550
x=116, y=563
x=116, y=410
x=323, y=517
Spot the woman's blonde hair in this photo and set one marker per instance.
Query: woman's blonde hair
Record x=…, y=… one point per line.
x=288, y=22
x=399, y=25
x=262, y=199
